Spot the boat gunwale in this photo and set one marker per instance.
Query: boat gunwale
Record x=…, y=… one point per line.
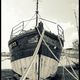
x=32, y=32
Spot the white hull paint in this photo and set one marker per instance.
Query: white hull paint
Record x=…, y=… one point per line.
x=48, y=67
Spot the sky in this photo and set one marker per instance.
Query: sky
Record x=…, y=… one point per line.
x=60, y=11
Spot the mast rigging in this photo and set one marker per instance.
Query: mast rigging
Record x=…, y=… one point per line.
x=37, y=13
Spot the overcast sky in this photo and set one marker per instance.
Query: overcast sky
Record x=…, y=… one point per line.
x=60, y=11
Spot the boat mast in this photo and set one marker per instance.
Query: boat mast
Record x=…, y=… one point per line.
x=39, y=55
x=37, y=13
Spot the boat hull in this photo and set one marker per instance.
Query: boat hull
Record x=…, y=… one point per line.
x=48, y=67
x=22, y=48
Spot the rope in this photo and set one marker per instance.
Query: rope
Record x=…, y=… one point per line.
x=35, y=53
x=61, y=45
x=48, y=20
x=71, y=66
x=67, y=59
x=29, y=20
x=56, y=57
x=53, y=23
x=63, y=74
x=45, y=23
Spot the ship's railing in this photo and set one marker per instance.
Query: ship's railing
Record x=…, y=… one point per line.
x=59, y=28
x=60, y=32
x=17, y=29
